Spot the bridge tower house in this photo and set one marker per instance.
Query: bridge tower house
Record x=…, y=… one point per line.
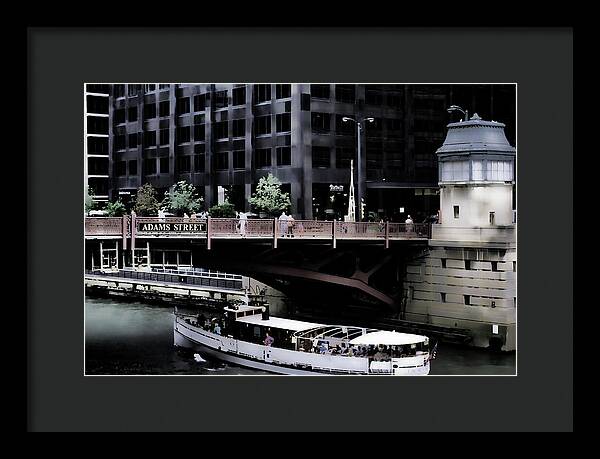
x=467, y=280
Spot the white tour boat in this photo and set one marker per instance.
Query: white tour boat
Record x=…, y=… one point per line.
x=250, y=337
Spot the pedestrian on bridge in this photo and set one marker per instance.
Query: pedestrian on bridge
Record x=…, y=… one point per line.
x=243, y=220
x=283, y=223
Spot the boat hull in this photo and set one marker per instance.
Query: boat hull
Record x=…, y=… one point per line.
x=183, y=341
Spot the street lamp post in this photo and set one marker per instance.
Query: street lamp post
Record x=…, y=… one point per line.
x=359, y=125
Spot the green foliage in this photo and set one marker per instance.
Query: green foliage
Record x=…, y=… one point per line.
x=225, y=210
x=146, y=204
x=268, y=196
x=90, y=204
x=182, y=198
x=115, y=209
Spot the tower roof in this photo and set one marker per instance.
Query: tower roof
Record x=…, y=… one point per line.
x=477, y=136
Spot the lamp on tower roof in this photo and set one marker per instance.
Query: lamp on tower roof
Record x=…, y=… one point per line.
x=456, y=108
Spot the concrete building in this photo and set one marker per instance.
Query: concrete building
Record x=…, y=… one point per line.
x=96, y=139
x=467, y=277
x=229, y=135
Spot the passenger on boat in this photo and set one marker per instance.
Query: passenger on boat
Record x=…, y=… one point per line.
x=350, y=352
x=201, y=320
x=268, y=340
x=217, y=329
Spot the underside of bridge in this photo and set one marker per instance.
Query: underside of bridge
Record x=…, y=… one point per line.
x=360, y=275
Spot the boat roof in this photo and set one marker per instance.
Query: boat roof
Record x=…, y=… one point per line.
x=389, y=338
x=278, y=322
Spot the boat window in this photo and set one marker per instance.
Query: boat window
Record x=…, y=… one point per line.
x=257, y=332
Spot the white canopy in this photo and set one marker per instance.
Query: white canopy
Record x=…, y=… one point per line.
x=388, y=338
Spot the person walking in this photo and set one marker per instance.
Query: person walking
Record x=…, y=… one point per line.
x=290, y=225
x=243, y=221
x=409, y=225
x=283, y=224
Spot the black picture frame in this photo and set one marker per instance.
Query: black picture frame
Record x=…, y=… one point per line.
x=60, y=398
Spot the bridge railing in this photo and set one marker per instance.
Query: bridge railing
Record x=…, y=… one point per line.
x=305, y=229
x=408, y=230
x=360, y=230
x=258, y=228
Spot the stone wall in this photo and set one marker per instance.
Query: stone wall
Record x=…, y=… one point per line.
x=465, y=287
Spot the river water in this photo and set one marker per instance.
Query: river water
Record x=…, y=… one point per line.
x=129, y=338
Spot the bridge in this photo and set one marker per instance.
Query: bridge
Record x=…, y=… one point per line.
x=208, y=229
x=352, y=262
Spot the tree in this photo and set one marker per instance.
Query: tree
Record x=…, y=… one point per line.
x=146, y=204
x=225, y=210
x=182, y=198
x=268, y=196
x=90, y=204
x=115, y=209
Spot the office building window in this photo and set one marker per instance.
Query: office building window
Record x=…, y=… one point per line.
x=119, y=116
x=262, y=157
x=284, y=156
x=262, y=125
x=199, y=132
x=222, y=160
x=344, y=127
x=164, y=165
x=283, y=91
x=239, y=95
x=320, y=122
x=132, y=166
x=133, y=114
x=200, y=103
x=183, y=105
x=149, y=111
x=149, y=139
x=97, y=125
x=239, y=159
x=164, y=108
x=283, y=122
x=120, y=142
x=319, y=91
x=345, y=93
x=239, y=128
x=394, y=99
x=121, y=168
x=149, y=88
x=199, y=163
x=321, y=157
x=97, y=145
x=221, y=130
x=373, y=96
x=119, y=90
x=184, y=164
x=164, y=136
x=133, y=89
x=133, y=140
x=150, y=166
x=343, y=155
x=262, y=93
x=220, y=99
x=183, y=134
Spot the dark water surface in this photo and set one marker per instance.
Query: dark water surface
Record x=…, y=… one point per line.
x=130, y=338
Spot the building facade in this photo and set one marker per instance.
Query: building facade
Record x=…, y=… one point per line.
x=96, y=140
x=228, y=136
